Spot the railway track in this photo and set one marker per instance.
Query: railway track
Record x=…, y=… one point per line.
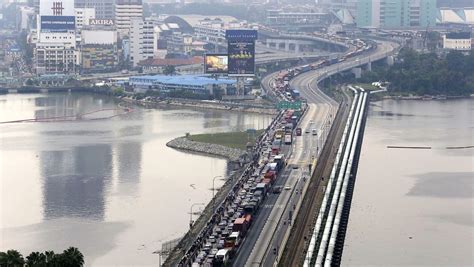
x=296, y=246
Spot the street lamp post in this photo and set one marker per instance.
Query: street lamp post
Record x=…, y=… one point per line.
x=213, y=194
x=191, y=213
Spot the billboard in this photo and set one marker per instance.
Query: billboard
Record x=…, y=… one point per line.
x=215, y=63
x=241, y=57
x=58, y=23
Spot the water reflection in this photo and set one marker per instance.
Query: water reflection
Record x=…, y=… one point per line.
x=130, y=157
x=75, y=181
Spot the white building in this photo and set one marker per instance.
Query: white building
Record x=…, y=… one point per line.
x=53, y=58
x=214, y=30
x=25, y=17
x=142, y=39
x=55, y=47
x=83, y=16
x=125, y=10
x=461, y=41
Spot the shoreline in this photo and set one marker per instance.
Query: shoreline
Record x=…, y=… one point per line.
x=188, y=103
x=176, y=102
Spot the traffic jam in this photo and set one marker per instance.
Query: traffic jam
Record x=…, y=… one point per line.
x=220, y=240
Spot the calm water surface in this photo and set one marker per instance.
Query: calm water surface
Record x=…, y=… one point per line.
x=110, y=187
x=414, y=207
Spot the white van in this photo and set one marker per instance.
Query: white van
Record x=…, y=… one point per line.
x=314, y=132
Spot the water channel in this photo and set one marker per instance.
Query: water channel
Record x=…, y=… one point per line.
x=110, y=187
x=414, y=207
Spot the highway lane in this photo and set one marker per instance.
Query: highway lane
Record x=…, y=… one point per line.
x=267, y=230
x=307, y=148
x=273, y=234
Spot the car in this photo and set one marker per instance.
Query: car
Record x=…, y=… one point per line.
x=277, y=189
x=314, y=131
x=294, y=166
x=287, y=187
x=307, y=131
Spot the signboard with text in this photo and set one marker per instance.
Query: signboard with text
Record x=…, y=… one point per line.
x=289, y=105
x=105, y=22
x=58, y=23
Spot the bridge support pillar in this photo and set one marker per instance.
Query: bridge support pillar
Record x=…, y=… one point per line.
x=369, y=66
x=357, y=72
x=390, y=60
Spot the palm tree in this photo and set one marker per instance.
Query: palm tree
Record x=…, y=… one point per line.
x=14, y=258
x=50, y=257
x=36, y=259
x=3, y=259
x=72, y=257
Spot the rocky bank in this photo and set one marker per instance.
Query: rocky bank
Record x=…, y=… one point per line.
x=232, y=154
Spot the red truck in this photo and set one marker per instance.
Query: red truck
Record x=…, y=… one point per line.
x=240, y=225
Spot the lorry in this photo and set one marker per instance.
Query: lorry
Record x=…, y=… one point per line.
x=233, y=240
x=295, y=94
x=240, y=225
x=288, y=139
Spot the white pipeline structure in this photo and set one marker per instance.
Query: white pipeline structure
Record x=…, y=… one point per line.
x=323, y=239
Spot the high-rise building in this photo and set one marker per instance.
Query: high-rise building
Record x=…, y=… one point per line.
x=125, y=10
x=396, y=13
x=142, y=39
x=55, y=49
x=104, y=9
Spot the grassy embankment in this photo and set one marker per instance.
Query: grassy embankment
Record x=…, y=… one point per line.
x=231, y=139
x=367, y=86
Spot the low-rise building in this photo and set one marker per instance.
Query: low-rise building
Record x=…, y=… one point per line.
x=156, y=65
x=461, y=41
x=195, y=84
x=99, y=52
x=51, y=58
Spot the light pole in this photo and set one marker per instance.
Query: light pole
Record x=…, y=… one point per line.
x=191, y=213
x=213, y=194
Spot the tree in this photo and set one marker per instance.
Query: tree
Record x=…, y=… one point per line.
x=169, y=70
x=36, y=259
x=3, y=258
x=12, y=258
x=72, y=257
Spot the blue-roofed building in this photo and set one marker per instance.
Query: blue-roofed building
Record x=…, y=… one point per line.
x=196, y=84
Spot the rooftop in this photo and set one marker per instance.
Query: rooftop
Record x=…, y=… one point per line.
x=194, y=80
